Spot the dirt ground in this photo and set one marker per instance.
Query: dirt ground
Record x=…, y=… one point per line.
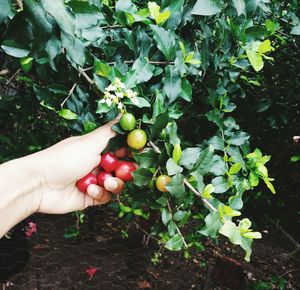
x=47, y=260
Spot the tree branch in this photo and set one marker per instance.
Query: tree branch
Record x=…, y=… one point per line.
x=195, y=191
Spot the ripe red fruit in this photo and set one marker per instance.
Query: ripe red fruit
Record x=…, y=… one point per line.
x=121, y=153
x=109, y=162
x=124, y=170
x=83, y=183
x=102, y=176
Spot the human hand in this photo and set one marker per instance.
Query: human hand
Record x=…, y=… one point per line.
x=66, y=162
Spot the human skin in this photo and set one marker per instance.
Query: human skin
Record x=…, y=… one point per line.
x=45, y=182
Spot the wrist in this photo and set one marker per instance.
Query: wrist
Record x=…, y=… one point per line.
x=20, y=190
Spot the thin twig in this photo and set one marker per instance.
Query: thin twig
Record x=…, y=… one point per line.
x=81, y=70
x=205, y=201
x=111, y=26
x=12, y=77
x=177, y=228
x=145, y=232
x=286, y=273
x=69, y=94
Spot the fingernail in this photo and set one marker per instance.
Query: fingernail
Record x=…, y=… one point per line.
x=111, y=183
x=93, y=190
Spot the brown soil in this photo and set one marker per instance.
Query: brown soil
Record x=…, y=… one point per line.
x=49, y=261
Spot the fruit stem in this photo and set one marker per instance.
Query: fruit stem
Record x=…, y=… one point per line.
x=205, y=201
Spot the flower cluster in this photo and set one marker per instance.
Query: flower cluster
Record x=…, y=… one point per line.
x=115, y=93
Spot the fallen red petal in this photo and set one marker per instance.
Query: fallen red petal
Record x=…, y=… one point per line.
x=91, y=271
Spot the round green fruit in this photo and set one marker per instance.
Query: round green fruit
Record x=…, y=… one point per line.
x=137, y=139
x=161, y=182
x=127, y=122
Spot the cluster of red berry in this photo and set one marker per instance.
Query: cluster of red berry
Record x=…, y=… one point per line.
x=113, y=163
x=110, y=166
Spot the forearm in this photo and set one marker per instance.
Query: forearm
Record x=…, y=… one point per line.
x=19, y=191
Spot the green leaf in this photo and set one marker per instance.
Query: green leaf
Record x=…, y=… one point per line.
x=255, y=59
x=147, y=158
x=265, y=46
x=160, y=123
x=220, y=184
x=295, y=158
x=142, y=176
x=205, y=160
x=212, y=225
x=217, y=142
x=176, y=186
x=15, y=49
x=186, y=90
x=253, y=179
x=175, y=243
x=208, y=190
x=74, y=47
x=171, y=228
x=219, y=166
x=231, y=231
x=166, y=216
x=142, y=71
x=240, y=7
x=61, y=14
x=172, y=167
x=172, y=83
x=155, y=13
x=67, y=114
x=101, y=68
x=5, y=10
x=296, y=30
x=165, y=41
x=269, y=185
x=189, y=157
x=235, y=168
x=181, y=216
x=238, y=138
x=206, y=7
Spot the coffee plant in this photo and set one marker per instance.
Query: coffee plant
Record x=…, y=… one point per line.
x=177, y=67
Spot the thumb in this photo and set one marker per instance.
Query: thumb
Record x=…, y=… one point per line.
x=100, y=137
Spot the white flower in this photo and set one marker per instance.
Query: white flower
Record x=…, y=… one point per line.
x=117, y=82
x=111, y=88
x=120, y=95
x=108, y=102
x=120, y=106
x=131, y=94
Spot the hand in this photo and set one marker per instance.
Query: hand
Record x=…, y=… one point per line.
x=66, y=162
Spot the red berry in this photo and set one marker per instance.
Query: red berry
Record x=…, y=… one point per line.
x=124, y=170
x=121, y=153
x=109, y=162
x=102, y=176
x=83, y=183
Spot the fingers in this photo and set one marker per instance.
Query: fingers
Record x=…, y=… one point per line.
x=98, y=194
x=114, y=185
x=101, y=136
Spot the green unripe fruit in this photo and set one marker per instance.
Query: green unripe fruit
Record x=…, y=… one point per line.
x=137, y=139
x=127, y=122
x=26, y=63
x=162, y=181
